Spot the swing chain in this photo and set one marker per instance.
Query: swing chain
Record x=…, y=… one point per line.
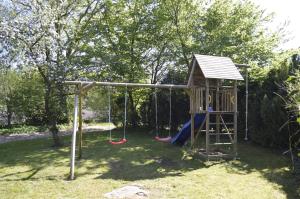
x=170, y=113
x=156, y=122
x=109, y=112
x=125, y=113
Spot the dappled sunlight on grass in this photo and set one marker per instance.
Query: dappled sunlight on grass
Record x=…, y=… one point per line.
x=135, y=149
x=33, y=169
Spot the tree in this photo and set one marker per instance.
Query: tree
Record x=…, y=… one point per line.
x=292, y=102
x=47, y=36
x=123, y=42
x=237, y=29
x=141, y=41
x=268, y=95
x=9, y=80
x=28, y=98
x=128, y=41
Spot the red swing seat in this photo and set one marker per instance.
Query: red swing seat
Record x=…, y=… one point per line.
x=122, y=141
x=163, y=139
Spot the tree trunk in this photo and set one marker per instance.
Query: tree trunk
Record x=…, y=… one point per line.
x=9, y=114
x=63, y=103
x=133, y=113
x=151, y=113
x=54, y=130
x=51, y=115
x=51, y=104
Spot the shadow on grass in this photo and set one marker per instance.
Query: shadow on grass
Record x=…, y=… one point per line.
x=270, y=164
x=31, y=175
x=140, y=158
x=23, y=160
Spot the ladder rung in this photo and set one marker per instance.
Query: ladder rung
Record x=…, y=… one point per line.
x=209, y=130
x=230, y=129
x=229, y=123
x=225, y=143
x=221, y=112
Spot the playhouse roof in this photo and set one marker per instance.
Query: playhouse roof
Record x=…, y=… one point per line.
x=215, y=67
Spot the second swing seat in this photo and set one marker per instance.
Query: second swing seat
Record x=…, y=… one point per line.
x=122, y=141
x=163, y=139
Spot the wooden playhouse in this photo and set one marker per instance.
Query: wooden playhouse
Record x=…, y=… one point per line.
x=212, y=83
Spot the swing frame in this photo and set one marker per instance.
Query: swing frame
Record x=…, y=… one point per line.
x=82, y=87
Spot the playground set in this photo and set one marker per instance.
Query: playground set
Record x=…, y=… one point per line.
x=212, y=89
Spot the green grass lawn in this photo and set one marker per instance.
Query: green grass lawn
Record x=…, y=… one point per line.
x=32, y=169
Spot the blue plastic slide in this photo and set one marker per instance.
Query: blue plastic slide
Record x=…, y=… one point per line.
x=183, y=135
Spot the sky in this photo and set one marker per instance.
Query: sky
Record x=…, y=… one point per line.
x=285, y=11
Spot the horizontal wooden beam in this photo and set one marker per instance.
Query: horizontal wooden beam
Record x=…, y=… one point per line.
x=89, y=84
x=127, y=84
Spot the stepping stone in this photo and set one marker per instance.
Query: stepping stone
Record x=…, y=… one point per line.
x=130, y=191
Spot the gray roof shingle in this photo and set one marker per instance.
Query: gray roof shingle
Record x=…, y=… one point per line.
x=218, y=67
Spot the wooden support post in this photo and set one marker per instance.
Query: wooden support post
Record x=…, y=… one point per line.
x=235, y=119
x=80, y=123
x=221, y=104
x=217, y=115
x=201, y=99
x=191, y=81
x=246, y=113
x=192, y=129
x=228, y=101
x=225, y=101
x=198, y=100
x=73, y=145
x=207, y=116
x=191, y=101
